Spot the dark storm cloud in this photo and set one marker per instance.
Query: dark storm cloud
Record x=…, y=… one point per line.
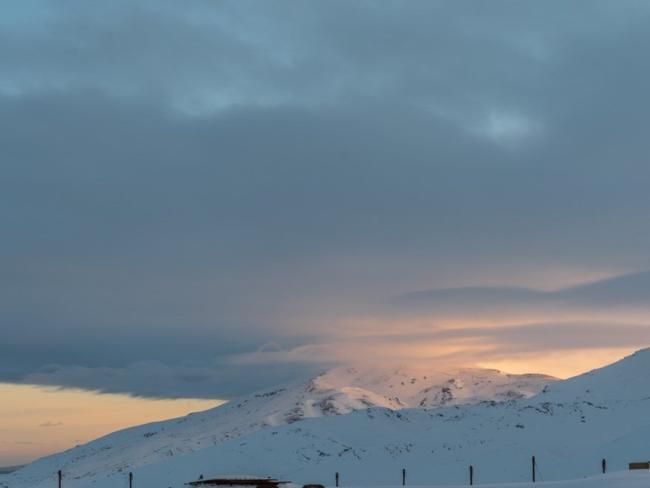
x=187, y=182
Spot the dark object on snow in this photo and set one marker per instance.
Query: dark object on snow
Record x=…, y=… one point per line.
x=313, y=486
x=643, y=465
x=255, y=482
x=534, y=469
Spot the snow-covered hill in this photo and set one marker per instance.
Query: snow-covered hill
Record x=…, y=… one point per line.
x=336, y=392
x=568, y=433
x=357, y=429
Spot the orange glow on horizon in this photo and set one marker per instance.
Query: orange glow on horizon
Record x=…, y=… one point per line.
x=36, y=421
x=561, y=364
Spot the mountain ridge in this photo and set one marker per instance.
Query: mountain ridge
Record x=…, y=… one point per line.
x=334, y=424
x=336, y=392
x=567, y=432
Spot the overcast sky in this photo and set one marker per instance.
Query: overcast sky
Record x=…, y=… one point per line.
x=202, y=198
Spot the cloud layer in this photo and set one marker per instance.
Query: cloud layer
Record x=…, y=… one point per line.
x=185, y=183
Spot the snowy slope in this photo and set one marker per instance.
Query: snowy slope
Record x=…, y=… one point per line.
x=569, y=427
x=624, y=381
x=435, y=446
x=336, y=392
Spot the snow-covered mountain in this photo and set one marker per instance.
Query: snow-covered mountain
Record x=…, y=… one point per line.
x=570, y=427
x=337, y=392
x=368, y=425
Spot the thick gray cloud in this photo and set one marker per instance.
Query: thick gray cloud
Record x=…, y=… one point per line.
x=190, y=181
x=156, y=379
x=628, y=292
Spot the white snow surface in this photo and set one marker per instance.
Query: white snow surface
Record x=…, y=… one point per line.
x=369, y=424
x=613, y=480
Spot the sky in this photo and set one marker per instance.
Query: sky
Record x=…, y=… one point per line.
x=199, y=199
x=41, y=420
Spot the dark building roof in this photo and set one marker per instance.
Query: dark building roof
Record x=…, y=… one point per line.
x=257, y=482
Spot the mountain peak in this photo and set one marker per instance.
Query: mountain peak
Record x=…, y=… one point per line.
x=301, y=430
x=335, y=392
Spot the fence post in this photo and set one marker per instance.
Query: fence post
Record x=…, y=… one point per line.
x=336, y=477
x=471, y=475
x=130, y=480
x=604, y=465
x=534, y=465
x=60, y=476
x=403, y=477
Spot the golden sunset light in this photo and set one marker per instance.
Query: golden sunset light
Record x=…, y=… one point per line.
x=330, y=243
x=36, y=421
